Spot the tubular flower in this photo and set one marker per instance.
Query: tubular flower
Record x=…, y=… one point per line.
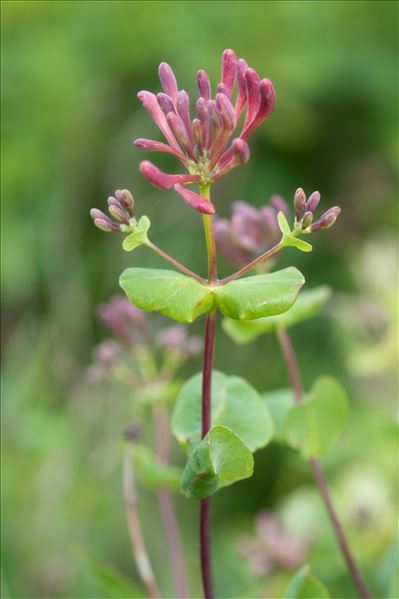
x=207, y=145
x=249, y=232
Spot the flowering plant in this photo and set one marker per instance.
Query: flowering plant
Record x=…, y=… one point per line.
x=219, y=419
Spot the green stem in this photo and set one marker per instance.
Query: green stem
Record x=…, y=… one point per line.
x=205, y=192
x=174, y=262
x=268, y=254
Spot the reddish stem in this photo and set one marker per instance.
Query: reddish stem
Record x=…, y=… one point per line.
x=168, y=516
x=318, y=475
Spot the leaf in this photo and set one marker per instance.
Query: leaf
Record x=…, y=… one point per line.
x=313, y=425
x=173, y=294
x=138, y=236
x=283, y=223
x=279, y=404
x=305, y=586
x=300, y=244
x=152, y=473
x=261, y=295
x=235, y=404
x=218, y=461
x=308, y=304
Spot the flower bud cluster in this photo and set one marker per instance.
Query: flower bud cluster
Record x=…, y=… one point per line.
x=304, y=213
x=121, y=208
x=249, y=232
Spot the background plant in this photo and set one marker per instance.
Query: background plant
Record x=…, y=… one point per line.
x=54, y=420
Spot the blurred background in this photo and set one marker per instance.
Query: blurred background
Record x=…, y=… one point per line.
x=71, y=71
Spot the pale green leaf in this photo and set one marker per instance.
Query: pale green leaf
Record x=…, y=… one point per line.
x=305, y=586
x=138, y=236
x=283, y=223
x=300, y=244
x=259, y=295
x=235, y=404
x=313, y=425
x=218, y=461
x=308, y=304
x=152, y=473
x=173, y=294
x=279, y=403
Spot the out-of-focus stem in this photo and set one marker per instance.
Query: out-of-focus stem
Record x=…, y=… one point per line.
x=210, y=326
x=133, y=520
x=174, y=262
x=318, y=475
x=168, y=516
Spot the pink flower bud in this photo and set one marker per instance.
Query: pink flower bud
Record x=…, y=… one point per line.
x=299, y=203
x=229, y=69
x=168, y=80
x=150, y=103
x=313, y=201
x=240, y=150
x=165, y=103
x=241, y=69
x=183, y=110
x=194, y=200
x=327, y=219
x=307, y=219
x=204, y=85
x=126, y=199
x=226, y=111
x=102, y=221
x=253, y=96
x=179, y=131
x=222, y=89
x=115, y=209
x=163, y=180
x=157, y=146
x=197, y=133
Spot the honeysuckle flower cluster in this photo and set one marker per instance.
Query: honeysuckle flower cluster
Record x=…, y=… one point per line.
x=304, y=213
x=121, y=208
x=250, y=231
x=207, y=145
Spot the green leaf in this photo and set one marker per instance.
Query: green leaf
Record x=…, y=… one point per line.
x=300, y=244
x=235, y=404
x=305, y=586
x=260, y=295
x=173, y=294
x=152, y=473
x=283, y=223
x=308, y=304
x=138, y=236
x=279, y=404
x=218, y=461
x=313, y=425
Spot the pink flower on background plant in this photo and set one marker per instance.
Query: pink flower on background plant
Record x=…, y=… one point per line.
x=205, y=144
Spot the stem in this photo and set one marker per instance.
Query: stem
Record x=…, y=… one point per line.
x=172, y=534
x=175, y=263
x=318, y=475
x=268, y=254
x=206, y=408
x=133, y=520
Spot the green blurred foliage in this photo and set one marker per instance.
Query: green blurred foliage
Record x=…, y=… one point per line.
x=70, y=74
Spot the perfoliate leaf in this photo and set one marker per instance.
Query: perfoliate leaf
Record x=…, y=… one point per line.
x=219, y=460
x=235, y=404
x=305, y=586
x=313, y=425
x=283, y=223
x=300, y=244
x=260, y=295
x=152, y=473
x=138, y=236
x=279, y=404
x=308, y=304
x=171, y=293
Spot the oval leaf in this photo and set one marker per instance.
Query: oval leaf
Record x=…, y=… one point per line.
x=218, y=461
x=138, y=236
x=306, y=586
x=260, y=295
x=313, y=425
x=235, y=404
x=171, y=293
x=308, y=304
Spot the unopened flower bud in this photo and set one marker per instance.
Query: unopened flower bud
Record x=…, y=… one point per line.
x=327, y=219
x=204, y=86
x=313, y=201
x=179, y=130
x=299, y=203
x=226, y=111
x=165, y=103
x=229, y=68
x=102, y=221
x=115, y=209
x=126, y=199
x=168, y=80
x=307, y=219
x=196, y=201
x=240, y=150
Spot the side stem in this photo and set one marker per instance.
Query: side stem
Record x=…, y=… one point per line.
x=210, y=326
x=174, y=262
x=168, y=516
x=133, y=520
x=318, y=475
x=242, y=271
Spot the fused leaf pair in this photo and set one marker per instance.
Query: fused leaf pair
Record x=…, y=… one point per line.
x=184, y=299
